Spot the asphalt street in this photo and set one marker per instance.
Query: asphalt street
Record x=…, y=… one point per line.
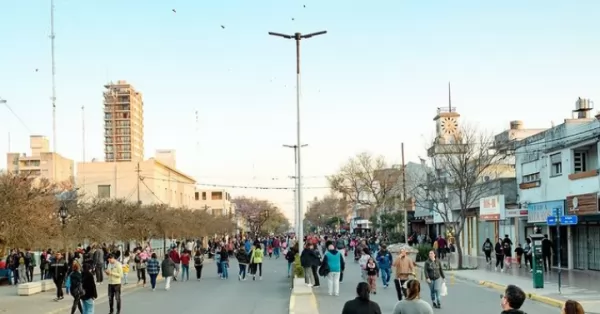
x=213, y=295
x=463, y=297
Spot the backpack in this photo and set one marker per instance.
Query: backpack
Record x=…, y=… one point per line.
x=198, y=260
x=137, y=259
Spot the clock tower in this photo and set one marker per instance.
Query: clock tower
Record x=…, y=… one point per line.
x=447, y=128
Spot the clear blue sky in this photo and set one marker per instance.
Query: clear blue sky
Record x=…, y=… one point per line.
x=374, y=81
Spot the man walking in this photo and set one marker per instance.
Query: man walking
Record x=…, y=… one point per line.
x=98, y=264
x=385, y=261
x=404, y=267
x=114, y=271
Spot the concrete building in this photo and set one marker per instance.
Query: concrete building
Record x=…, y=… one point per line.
x=167, y=157
x=123, y=123
x=41, y=162
x=557, y=174
x=215, y=201
x=150, y=181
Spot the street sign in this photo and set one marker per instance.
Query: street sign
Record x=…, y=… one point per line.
x=564, y=220
x=568, y=220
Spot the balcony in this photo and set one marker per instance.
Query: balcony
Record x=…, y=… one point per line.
x=583, y=175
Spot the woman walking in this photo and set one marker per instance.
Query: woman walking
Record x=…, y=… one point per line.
x=413, y=304
x=76, y=288
x=499, y=248
x=487, y=250
x=198, y=264
x=257, y=259
x=243, y=261
x=153, y=267
x=362, y=303
x=89, y=288
x=435, y=276
x=372, y=275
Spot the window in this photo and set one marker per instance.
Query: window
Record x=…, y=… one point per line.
x=104, y=191
x=216, y=196
x=579, y=161
x=197, y=196
x=531, y=178
x=555, y=165
x=204, y=196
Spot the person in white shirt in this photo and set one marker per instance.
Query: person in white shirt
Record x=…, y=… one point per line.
x=362, y=262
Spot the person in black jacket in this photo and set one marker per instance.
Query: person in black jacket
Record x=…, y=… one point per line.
x=547, y=249
x=89, y=289
x=76, y=288
x=307, y=259
x=499, y=248
x=58, y=270
x=290, y=256
x=362, y=304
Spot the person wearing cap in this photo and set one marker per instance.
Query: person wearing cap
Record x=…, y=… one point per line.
x=114, y=271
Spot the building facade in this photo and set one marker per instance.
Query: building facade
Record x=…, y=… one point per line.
x=123, y=123
x=214, y=201
x=557, y=175
x=149, y=181
x=41, y=163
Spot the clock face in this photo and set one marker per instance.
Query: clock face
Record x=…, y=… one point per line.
x=449, y=125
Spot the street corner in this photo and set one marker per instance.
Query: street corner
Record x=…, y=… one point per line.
x=546, y=300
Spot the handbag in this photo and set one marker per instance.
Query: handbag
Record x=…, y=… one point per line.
x=443, y=290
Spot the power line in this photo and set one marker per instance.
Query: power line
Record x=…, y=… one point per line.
x=3, y=101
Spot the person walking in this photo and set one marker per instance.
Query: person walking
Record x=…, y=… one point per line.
x=198, y=264
x=385, y=261
x=89, y=288
x=224, y=264
x=434, y=276
x=404, y=267
x=413, y=304
x=98, y=257
x=58, y=270
x=243, y=261
x=307, y=259
x=153, y=268
x=372, y=274
x=257, y=260
x=114, y=272
x=76, y=288
x=362, y=304
x=335, y=263
x=168, y=271
x=185, y=265
x=499, y=249
x=487, y=250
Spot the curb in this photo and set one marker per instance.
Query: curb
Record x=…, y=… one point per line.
x=124, y=291
x=313, y=302
x=292, y=304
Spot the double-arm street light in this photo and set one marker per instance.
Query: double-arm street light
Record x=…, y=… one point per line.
x=298, y=37
x=297, y=208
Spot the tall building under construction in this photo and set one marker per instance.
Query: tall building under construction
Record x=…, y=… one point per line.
x=123, y=123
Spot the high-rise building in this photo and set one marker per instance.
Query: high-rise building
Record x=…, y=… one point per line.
x=123, y=123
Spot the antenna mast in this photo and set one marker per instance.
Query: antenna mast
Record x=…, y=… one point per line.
x=52, y=37
x=449, y=98
x=197, y=131
x=83, y=143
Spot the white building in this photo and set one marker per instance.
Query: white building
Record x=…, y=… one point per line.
x=557, y=173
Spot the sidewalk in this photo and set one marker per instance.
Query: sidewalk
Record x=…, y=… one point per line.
x=43, y=303
x=581, y=286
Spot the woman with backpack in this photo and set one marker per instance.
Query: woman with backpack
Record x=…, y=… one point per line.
x=198, y=264
x=76, y=287
x=487, y=250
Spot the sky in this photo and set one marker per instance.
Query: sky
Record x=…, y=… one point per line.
x=372, y=82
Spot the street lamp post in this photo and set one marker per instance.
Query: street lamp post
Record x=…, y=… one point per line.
x=297, y=210
x=298, y=37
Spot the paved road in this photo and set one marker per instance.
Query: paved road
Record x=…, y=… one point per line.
x=212, y=295
x=463, y=297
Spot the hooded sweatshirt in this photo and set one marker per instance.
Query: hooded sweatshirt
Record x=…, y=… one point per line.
x=335, y=261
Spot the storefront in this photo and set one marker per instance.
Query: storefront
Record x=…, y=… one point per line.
x=537, y=215
x=586, y=234
x=491, y=214
x=517, y=217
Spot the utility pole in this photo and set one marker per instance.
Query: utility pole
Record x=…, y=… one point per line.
x=139, y=178
x=298, y=37
x=297, y=210
x=404, y=200
x=52, y=37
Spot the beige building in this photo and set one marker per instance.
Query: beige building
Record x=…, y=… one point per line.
x=152, y=181
x=214, y=201
x=42, y=162
x=123, y=123
x=166, y=156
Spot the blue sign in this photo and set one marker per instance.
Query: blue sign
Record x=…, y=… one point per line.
x=568, y=220
x=539, y=212
x=564, y=220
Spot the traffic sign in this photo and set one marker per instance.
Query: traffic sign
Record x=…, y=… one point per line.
x=568, y=220
x=551, y=220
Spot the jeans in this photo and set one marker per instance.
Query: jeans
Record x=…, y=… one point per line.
x=334, y=283
x=224, y=273
x=88, y=306
x=141, y=275
x=30, y=273
x=258, y=269
x=434, y=286
x=58, y=282
x=500, y=261
x=198, y=271
x=242, y=272
x=125, y=278
x=153, y=280
x=114, y=292
x=276, y=252
x=219, y=268
x=385, y=276
x=99, y=273
x=185, y=272
x=488, y=256
x=308, y=276
x=399, y=284
x=16, y=276
x=316, y=276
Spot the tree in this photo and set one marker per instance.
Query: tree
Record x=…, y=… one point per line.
x=389, y=222
x=28, y=212
x=367, y=182
x=460, y=176
x=321, y=211
x=256, y=213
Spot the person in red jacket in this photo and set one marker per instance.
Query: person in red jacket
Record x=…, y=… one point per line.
x=174, y=255
x=185, y=265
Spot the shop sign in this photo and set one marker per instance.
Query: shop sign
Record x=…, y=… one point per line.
x=429, y=220
x=584, y=204
x=491, y=208
x=515, y=212
x=538, y=212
